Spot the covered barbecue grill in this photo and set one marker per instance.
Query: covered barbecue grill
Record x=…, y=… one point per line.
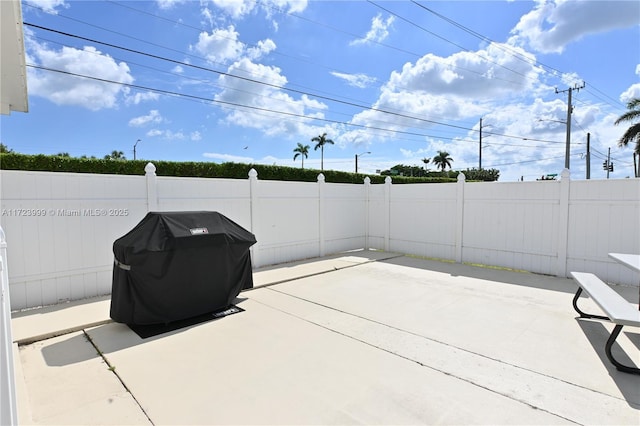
x=178, y=265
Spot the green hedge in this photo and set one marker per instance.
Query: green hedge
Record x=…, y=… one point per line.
x=53, y=163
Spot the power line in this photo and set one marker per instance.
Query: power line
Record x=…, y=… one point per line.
x=229, y=104
x=222, y=73
x=513, y=52
x=453, y=43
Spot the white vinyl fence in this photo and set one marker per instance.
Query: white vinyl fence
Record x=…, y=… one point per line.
x=8, y=405
x=60, y=227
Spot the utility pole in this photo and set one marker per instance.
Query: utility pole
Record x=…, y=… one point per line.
x=569, y=111
x=588, y=155
x=607, y=164
x=480, y=149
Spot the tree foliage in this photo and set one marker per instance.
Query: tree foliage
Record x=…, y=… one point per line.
x=632, y=134
x=115, y=155
x=442, y=160
x=321, y=141
x=485, y=175
x=301, y=151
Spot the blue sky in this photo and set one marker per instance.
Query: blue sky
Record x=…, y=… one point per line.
x=245, y=81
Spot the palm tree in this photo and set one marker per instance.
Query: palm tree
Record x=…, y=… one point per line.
x=321, y=140
x=115, y=155
x=301, y=151
x=633, y=133
x=442, y=160
x=426, y=162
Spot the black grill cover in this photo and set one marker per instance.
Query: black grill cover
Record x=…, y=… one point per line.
x=178, y=265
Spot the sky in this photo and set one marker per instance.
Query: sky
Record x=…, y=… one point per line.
x=391, y=82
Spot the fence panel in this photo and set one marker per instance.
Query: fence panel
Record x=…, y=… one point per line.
x=228, y=196
x=286, y=222
x=604, y=217
x=61, y=226
x=345, y=217
x=423, y=220
x=377, y=217
x=511, y=224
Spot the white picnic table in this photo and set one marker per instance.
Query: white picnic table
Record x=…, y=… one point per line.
x=631, y=261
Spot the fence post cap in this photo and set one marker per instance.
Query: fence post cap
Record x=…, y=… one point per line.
x=150, y=168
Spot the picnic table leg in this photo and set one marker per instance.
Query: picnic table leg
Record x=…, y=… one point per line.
x=607, y=348
x=584, y=314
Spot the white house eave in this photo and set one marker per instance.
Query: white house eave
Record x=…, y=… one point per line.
x=13, y=73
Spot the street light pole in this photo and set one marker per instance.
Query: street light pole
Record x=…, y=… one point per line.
x=359, y=155
x=134, y=149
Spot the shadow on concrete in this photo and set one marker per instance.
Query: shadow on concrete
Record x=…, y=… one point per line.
x=112, y=337
x=76, y=349
x=597, y=335
x=502, y=275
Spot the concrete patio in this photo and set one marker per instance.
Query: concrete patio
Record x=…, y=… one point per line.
x=359, y=338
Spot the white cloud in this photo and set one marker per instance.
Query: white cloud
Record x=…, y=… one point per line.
x=140, y=97
x=264, y=100
x=154, y=132
x=240, y=8
x=263, y=48
x=538, y=146
x=356, y=80
x=171, y=135
x=552, y=25
x=228, y=157
x=633, y=91
x=235, y=8
x=64, y=89
x=168, y=4
x=49, y=6
x=222, y=45
x=463, y=85
x=153, y=117
x=485, y=74
x=379, y=31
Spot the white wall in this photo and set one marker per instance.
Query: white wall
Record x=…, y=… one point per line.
x=60, y=227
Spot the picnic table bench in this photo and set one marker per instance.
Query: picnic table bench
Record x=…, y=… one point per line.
x=617, y=309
